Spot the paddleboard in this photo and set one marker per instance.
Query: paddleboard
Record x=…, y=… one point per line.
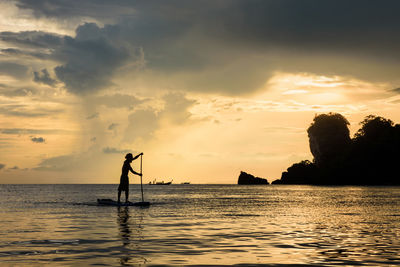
x=110, y=202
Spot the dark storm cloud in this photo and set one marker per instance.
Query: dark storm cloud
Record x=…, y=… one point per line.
x=232, y=37
x=38, y=139
x=38, y=39
x=13, y=69
x=2, y=166
x=236, y=44
x=288, y=22
x=43, y=76
x=67, y=9
x=24, y=53
x=335, y=24
x=88, y=60
x=91, y=58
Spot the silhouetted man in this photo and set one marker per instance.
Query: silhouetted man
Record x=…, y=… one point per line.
x=124, y=182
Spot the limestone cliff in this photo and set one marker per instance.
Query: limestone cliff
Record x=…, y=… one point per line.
x=329, y=138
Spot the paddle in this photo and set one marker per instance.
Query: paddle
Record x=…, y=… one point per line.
x=141, y=172
x=143, y=203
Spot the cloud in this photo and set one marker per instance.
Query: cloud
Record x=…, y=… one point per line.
x=141, y=124
x=68, y=9
x=43, y=76
x=2, y=166
x=12, y=91
x=32, y=39
x=93, y=116
x=26, y=131
x=88, y=60
x=228, y=46
x=24, y=53
x=91, y=59
x=176, y=107
x=112, y=126
x=85, y=161
x=397, y=90
x=59, y=163
x=117, y=100
x=37, y=139
x=82, y=161
x=13, y=69
x=22, y=110
x=113, y=150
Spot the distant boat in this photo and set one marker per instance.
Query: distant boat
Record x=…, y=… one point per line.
x=185, y=183
x=160, y=183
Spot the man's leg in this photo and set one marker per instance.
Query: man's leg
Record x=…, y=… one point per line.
x=119, y=196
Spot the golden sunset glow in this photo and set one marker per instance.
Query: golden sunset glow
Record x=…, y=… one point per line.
x=78, y=91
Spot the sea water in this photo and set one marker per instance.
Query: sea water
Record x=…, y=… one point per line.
x=62, y=225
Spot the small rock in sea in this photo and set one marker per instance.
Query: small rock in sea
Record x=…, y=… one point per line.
x=246, y=178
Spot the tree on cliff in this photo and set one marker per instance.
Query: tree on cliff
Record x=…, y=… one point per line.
x=374, y=127
x=329, y=138
x=376, y=150
x=303, y=172
x=371, y=157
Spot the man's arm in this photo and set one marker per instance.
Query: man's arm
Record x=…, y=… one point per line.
x=130, y=168
x=136, y=173
x=138, y=155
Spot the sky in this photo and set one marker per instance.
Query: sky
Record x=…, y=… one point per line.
x=205, y=89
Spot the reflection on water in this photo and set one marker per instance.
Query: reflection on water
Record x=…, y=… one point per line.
x=200, y=224
x=125, y=231
x=130, y=241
